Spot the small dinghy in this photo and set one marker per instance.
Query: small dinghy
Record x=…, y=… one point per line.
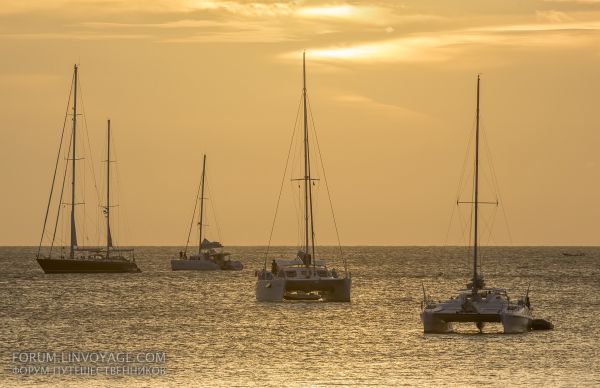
x=301, y=295
x=573, y=254
x=541, y=324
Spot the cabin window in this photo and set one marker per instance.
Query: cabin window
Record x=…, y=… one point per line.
x=290, y=274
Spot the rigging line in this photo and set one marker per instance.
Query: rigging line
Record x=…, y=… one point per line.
x=118, y=188
x=497, y=185
x=489, y=234
x=487, y=225
x=62, y=135
x=297, y=209
x=490, y=225
x=87, y=135
x=471, y=217
x=62, y=190
x=299, y=217
x=282, y=182
x=461, y=180
x=294, y=164
x=463, y=226
x=450, y=225
x=464, y=170
x=81, y=214
x=212, y=206
x=327, y=187
x=187, y=243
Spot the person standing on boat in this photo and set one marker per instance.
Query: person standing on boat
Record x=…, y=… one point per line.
x=274, y=267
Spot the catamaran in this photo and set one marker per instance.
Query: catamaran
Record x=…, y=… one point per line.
x=304, y=277
x=210, y=255
x=477, y=303
x=83, y=259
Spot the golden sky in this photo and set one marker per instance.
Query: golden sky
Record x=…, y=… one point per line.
x=392, y=88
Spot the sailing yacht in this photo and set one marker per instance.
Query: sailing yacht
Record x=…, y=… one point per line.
x=477, y=303
x=210, y=255
x=107, y=259
x=304, y=277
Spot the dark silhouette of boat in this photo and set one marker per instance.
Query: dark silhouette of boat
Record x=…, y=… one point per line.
x=94, y=262
x=107, y=259
x=573, y=254
x=210, y=255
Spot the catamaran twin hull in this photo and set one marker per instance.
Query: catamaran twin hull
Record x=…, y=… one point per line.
x=513, y=321
x=330, y=290
x=87, y=266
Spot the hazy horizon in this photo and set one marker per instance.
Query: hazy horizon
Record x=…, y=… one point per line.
x=392, y=91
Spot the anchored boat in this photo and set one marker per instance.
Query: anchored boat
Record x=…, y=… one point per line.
x=477, y=303
x=210, y=255
x=305, y=277
x=107, y=259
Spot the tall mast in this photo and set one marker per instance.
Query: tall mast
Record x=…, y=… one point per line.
x=108, y=236
x=308, y=210
x=201, y=205
x=476, y=201
x=73, y=230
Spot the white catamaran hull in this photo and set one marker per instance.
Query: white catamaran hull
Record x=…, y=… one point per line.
x=516, y=323
x=432, y=324
x=193, y=265
x=331, y=290
x=270, y=290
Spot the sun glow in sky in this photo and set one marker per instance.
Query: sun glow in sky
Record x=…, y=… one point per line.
x=391, y=86
x=333, y=11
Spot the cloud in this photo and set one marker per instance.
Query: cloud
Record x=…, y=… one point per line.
x=371, y=104
x=73, y=36
x=574, y=1
x=382, y=31
x=442, y=46
x=205, y=31
x=247, y=35
x=553, y=16
x=410, y=49
x=248, y=9
x=541, y=27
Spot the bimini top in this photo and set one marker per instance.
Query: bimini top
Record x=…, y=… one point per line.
x=281, y=263
x=211, y=244
x=489, y=290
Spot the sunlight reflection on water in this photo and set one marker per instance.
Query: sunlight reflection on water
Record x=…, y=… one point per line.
x=216, y=334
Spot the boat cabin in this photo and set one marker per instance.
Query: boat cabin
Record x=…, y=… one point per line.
x=296, y=270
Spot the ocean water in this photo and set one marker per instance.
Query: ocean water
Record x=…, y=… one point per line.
x=214, y=333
